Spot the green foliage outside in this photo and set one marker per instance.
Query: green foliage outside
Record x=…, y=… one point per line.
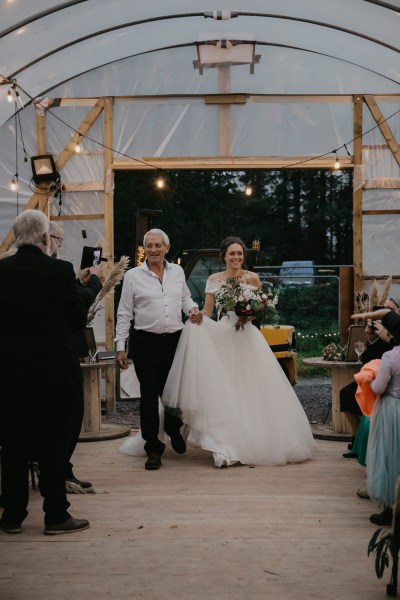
x=313, y=311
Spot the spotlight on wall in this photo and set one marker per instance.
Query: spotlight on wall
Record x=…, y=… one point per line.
x=44, y=169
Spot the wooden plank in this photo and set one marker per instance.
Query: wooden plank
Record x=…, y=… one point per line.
x=82, y=130
x=109, y=246
x=383, y=126
x=84, y=186
x=381, y=212
x=357, y=198
x=77, y=217
x=230, y=162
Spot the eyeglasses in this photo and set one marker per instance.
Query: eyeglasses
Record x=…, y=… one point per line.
x=59, y=239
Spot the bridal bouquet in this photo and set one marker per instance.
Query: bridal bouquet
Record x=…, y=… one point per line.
x=245, y=302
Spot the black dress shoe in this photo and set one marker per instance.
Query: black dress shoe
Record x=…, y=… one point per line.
x=153, y=462
x=10, y=527
x=178, y=444
x=383, y=518
x=350, y=455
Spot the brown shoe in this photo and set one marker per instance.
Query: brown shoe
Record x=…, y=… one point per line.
x=69, y=526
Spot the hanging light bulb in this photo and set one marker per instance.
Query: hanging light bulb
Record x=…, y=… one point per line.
x=78, y=147
x=160, y=183
x=14, y=183
x=9, y=95
x=337, y=163
x=248, y=190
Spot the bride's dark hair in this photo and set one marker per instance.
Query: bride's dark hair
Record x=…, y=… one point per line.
x=228, y=241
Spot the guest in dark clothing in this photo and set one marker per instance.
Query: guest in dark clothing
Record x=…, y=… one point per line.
x=40, y=307
x=375, y=347
x=90, y=282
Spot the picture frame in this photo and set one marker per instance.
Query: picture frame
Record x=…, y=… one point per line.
x=356, y=332
x=90, y=339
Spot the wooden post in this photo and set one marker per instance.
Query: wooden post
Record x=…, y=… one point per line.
x=42, y=196
x=109, y=237
x=346, y=301
x=357, y=196
x=225, y=126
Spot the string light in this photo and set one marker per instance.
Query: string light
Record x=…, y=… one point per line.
x=78, y=147
x=248, y=190
x=14, y=183
x=337, y=162
x=160, y=183
x=13, y=93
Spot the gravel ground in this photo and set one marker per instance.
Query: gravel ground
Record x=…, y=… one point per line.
x=314, y=395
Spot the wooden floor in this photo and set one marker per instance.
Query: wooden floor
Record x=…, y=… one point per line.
x=193, y=532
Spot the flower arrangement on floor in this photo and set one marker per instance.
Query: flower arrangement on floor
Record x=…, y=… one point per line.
x=114, y=277
x=246, y=301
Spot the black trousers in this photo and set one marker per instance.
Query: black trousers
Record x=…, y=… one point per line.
x=75, y=426
x=35, y=423
x=348, y=402
x=152, y=356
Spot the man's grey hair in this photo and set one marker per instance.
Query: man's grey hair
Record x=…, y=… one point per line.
x=164, y=236
x=29, y=228
x=55, y=229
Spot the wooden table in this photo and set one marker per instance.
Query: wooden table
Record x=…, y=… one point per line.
x=91, y=426
x=342, y=374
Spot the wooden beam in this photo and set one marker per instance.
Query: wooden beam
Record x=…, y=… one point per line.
x=84, y=186
x=383, y=127
x=357, y=197
x=82, y=130
x=76, y=217
x=109, y=245
x=230, y=162
x=381, y=212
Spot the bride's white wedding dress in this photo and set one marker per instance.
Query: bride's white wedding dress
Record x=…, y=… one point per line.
x=235, y=397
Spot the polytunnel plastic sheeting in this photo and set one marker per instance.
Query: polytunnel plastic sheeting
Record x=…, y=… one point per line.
x=380, y=233
x=42, y=46
x=169, y=72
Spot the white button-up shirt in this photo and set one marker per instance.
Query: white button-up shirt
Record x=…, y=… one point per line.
x=154, y=305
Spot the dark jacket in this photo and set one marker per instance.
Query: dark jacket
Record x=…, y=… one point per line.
x=374, y=350
x=89, y=291
x=41, y=306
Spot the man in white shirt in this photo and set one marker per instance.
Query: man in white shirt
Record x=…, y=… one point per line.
x=150, y=314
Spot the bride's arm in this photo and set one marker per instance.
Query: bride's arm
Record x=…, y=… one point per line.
x=209, y=304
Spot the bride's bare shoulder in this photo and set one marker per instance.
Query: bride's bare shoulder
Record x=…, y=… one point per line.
x=216, y=277
x=253, y=279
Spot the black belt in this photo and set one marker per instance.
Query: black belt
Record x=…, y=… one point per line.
x=143, y=331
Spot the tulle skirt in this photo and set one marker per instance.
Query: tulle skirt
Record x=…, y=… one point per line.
x=383, y=452
x=235, y=397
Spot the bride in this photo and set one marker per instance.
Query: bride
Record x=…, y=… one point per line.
x=229, y=387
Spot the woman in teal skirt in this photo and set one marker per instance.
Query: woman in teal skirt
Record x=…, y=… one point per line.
x=383, y=452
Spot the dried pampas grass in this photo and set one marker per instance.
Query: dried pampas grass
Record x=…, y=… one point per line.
x=114, y=278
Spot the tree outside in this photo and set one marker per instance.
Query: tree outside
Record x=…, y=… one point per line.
x=295, y=214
